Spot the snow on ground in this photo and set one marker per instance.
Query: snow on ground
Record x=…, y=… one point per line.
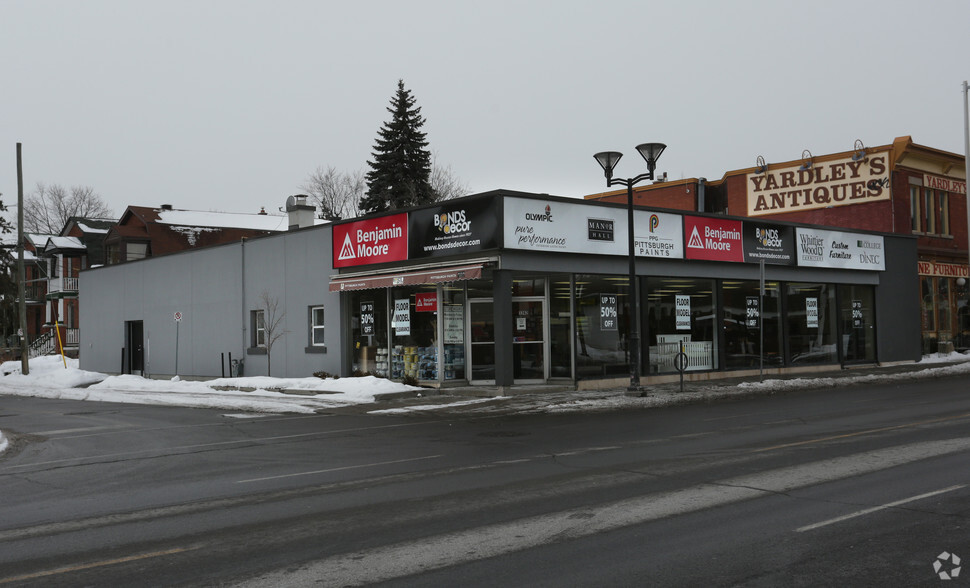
x=53, y=377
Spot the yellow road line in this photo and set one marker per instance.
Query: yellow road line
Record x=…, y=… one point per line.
x=96, y=564
x=866, y=432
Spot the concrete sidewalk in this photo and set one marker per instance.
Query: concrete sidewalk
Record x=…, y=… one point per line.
x=551, y=398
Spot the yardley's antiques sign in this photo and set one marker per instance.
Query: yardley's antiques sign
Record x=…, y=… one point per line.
x=945, y=184
x=831, y=183
x=820, y=248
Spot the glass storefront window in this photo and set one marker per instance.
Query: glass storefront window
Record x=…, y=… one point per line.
x=414, y=332
x=681, y=315
x=560, y=351
x=602, y=325
x=368, y=331
x=812, y=324
x=961, y=339
x=453, y=331
x=745, y=313
x=858, y=323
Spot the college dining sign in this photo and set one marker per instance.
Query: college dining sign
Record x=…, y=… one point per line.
x=831, y=183
x=369, y=241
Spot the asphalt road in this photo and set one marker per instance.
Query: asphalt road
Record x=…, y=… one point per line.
x=849, y=486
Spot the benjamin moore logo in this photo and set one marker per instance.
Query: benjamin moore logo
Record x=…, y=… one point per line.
x=545, y=217
x=599, y=229
x=453, y=222
x=347, y=250
x=695, y=240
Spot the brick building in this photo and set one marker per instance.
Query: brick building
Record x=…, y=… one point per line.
x=902, y=188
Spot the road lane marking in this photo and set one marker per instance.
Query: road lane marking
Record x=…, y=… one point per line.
x=866, y=432
x=866, y=511
x=96, y=564
x=398, y=560
x=340, y=469
x=80, y=430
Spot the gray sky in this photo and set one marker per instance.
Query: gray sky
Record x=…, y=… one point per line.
x=229, y=105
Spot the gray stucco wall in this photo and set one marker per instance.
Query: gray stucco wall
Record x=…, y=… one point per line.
x=215, y=289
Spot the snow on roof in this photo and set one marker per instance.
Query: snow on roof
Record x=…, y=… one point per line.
x=88, y=229
x=64, y=243
x=223, y=220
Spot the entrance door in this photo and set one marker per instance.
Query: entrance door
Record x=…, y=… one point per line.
x=481, y=336
x=528, y=340
x=134, y=347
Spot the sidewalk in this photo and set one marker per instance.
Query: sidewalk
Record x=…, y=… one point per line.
x=556, y=399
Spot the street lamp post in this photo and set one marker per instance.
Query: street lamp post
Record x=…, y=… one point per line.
x=608, y=160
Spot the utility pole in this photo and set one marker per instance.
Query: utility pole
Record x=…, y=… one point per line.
x=21, y=274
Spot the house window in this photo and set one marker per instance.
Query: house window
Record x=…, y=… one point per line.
x=930, y=209
x=135, y=251
x=316, y=326
x=259, y=328
x=914, y=208
x=944, y=213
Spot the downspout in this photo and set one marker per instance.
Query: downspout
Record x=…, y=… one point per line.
x=701, y=182
x=242, y=292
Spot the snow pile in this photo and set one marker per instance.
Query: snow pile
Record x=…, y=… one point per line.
x=49, y=378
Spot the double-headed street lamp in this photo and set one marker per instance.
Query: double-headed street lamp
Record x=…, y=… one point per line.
x=608, y=160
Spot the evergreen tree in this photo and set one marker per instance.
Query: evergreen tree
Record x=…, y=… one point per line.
x=401, y=166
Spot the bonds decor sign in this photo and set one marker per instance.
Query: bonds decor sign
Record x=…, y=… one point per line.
x=376, y=240
x=772, y=243
x=837, y=249
x=713, y=239
x=825, y=184
x=459, y=228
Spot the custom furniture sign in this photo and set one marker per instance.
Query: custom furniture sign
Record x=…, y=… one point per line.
x=838, y=249
x=713, y=239
x=774, y=244
x=839, y=182
x=458, y=228
x=376, y=240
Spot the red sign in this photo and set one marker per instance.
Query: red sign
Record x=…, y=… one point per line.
x=375, y=240
x=713, y=239
x=426, y=302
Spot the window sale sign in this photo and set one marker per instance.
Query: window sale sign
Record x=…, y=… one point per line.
x=376, y=240
x=713, y=239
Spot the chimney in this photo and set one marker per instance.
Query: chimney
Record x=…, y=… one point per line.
x=299, y=212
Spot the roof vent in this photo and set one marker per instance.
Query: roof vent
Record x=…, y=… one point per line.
x=166, y=207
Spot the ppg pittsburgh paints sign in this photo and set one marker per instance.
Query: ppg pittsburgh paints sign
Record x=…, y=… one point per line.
x=823, y=185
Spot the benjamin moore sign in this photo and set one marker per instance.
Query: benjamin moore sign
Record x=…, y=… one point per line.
x=831, y=183
x=837, y=249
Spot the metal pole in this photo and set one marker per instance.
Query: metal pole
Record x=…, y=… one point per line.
x=21, y=273
x=761, y=322
x=966, y=157
x=177, y=347
x=634, y=339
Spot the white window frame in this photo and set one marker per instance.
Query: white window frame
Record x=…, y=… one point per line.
x=259, y=328
x=317, y=328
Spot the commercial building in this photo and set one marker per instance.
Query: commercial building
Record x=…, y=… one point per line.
x=507, y=288
x=901, y=188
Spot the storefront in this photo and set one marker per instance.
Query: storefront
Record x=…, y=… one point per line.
x=509, y=288
x=944, y=310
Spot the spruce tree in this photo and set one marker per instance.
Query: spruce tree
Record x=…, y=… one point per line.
x=401, y=166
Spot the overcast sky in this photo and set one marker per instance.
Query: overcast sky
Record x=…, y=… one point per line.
x=228, y=105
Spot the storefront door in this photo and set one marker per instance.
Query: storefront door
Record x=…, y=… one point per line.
x=481, y=336
x=528, y=340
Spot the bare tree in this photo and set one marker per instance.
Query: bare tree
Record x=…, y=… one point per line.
x=272, y=325
x=335, y=193
x=445, y=184
x=49, y=207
